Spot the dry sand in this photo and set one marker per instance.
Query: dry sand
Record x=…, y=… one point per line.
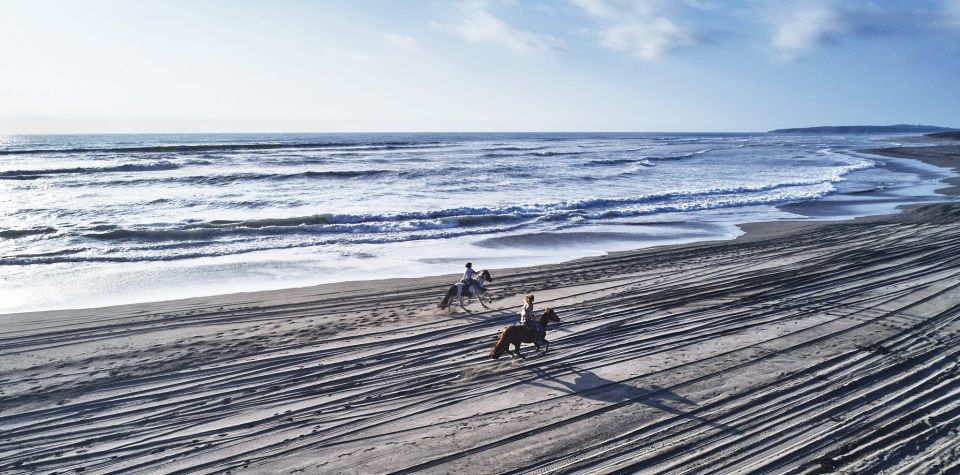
x=801, y=347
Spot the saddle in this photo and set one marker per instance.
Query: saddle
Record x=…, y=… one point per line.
x=465, y=288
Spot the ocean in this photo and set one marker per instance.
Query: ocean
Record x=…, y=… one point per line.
x=89, y=220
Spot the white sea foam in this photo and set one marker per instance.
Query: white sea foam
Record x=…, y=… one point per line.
x=86, y=205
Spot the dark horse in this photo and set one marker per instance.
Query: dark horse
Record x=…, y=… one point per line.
x=459, y=290
x=517, y=334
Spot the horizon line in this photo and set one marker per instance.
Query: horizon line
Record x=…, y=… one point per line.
x=464, y=132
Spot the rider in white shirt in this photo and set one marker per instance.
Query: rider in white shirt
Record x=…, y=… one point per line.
x=528, y=319
x=468, y=277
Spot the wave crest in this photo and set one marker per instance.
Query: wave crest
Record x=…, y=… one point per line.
x=19, y=233
x=126, y=167
x=473, y=217
x=387, y=145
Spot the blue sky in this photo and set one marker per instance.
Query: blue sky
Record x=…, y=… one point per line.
x=498, y=65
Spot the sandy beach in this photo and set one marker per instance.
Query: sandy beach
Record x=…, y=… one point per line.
x=801, y=347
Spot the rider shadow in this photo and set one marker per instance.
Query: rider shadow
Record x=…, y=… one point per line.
x=503, y=316
x=591, y=386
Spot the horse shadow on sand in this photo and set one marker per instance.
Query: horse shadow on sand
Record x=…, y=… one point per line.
x=589, y=385
x=498, y=315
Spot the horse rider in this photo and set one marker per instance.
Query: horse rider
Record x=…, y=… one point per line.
x=528, y=320
x=469, y=280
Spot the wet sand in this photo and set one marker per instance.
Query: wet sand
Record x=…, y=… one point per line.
x=946, y=154
x=799, y=347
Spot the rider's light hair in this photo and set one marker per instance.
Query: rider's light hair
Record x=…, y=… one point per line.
x=528, y=298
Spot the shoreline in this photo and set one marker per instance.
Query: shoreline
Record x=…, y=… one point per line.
x=941, y=155
x=756, y=351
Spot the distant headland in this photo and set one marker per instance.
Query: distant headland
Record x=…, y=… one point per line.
x=865, y=129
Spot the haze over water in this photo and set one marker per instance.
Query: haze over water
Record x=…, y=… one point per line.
x=100, y=219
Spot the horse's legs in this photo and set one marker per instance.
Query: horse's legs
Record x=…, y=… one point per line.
x=480, y=298
x=517, y=351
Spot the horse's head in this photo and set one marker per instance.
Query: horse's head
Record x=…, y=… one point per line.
x=549, y=315
x=485, y=275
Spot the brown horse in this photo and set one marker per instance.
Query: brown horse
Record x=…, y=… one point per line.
x=517, y=334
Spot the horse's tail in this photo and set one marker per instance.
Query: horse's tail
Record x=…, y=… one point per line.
x=447, y=298
x=502, y=344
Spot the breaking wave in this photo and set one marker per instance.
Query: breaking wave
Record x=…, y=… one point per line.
x=127, y=167
x=230, y=147
x=470, y=217
x=351, y=189
x=19, y=233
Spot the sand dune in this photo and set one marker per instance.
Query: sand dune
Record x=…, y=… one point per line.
x=800, y=348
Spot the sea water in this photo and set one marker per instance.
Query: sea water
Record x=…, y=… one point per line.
x=91, y=220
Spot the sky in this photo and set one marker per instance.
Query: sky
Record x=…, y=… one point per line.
x=128, y=66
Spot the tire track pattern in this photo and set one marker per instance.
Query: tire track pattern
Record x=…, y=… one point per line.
x=887, y=403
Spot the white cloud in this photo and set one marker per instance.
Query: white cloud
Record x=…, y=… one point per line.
x=951, y=10
x=639, y=28
x=619, y=8
x=478, y=25
x=403, y=41
x=647, y=40
x=807, y=27
x=800, y=28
